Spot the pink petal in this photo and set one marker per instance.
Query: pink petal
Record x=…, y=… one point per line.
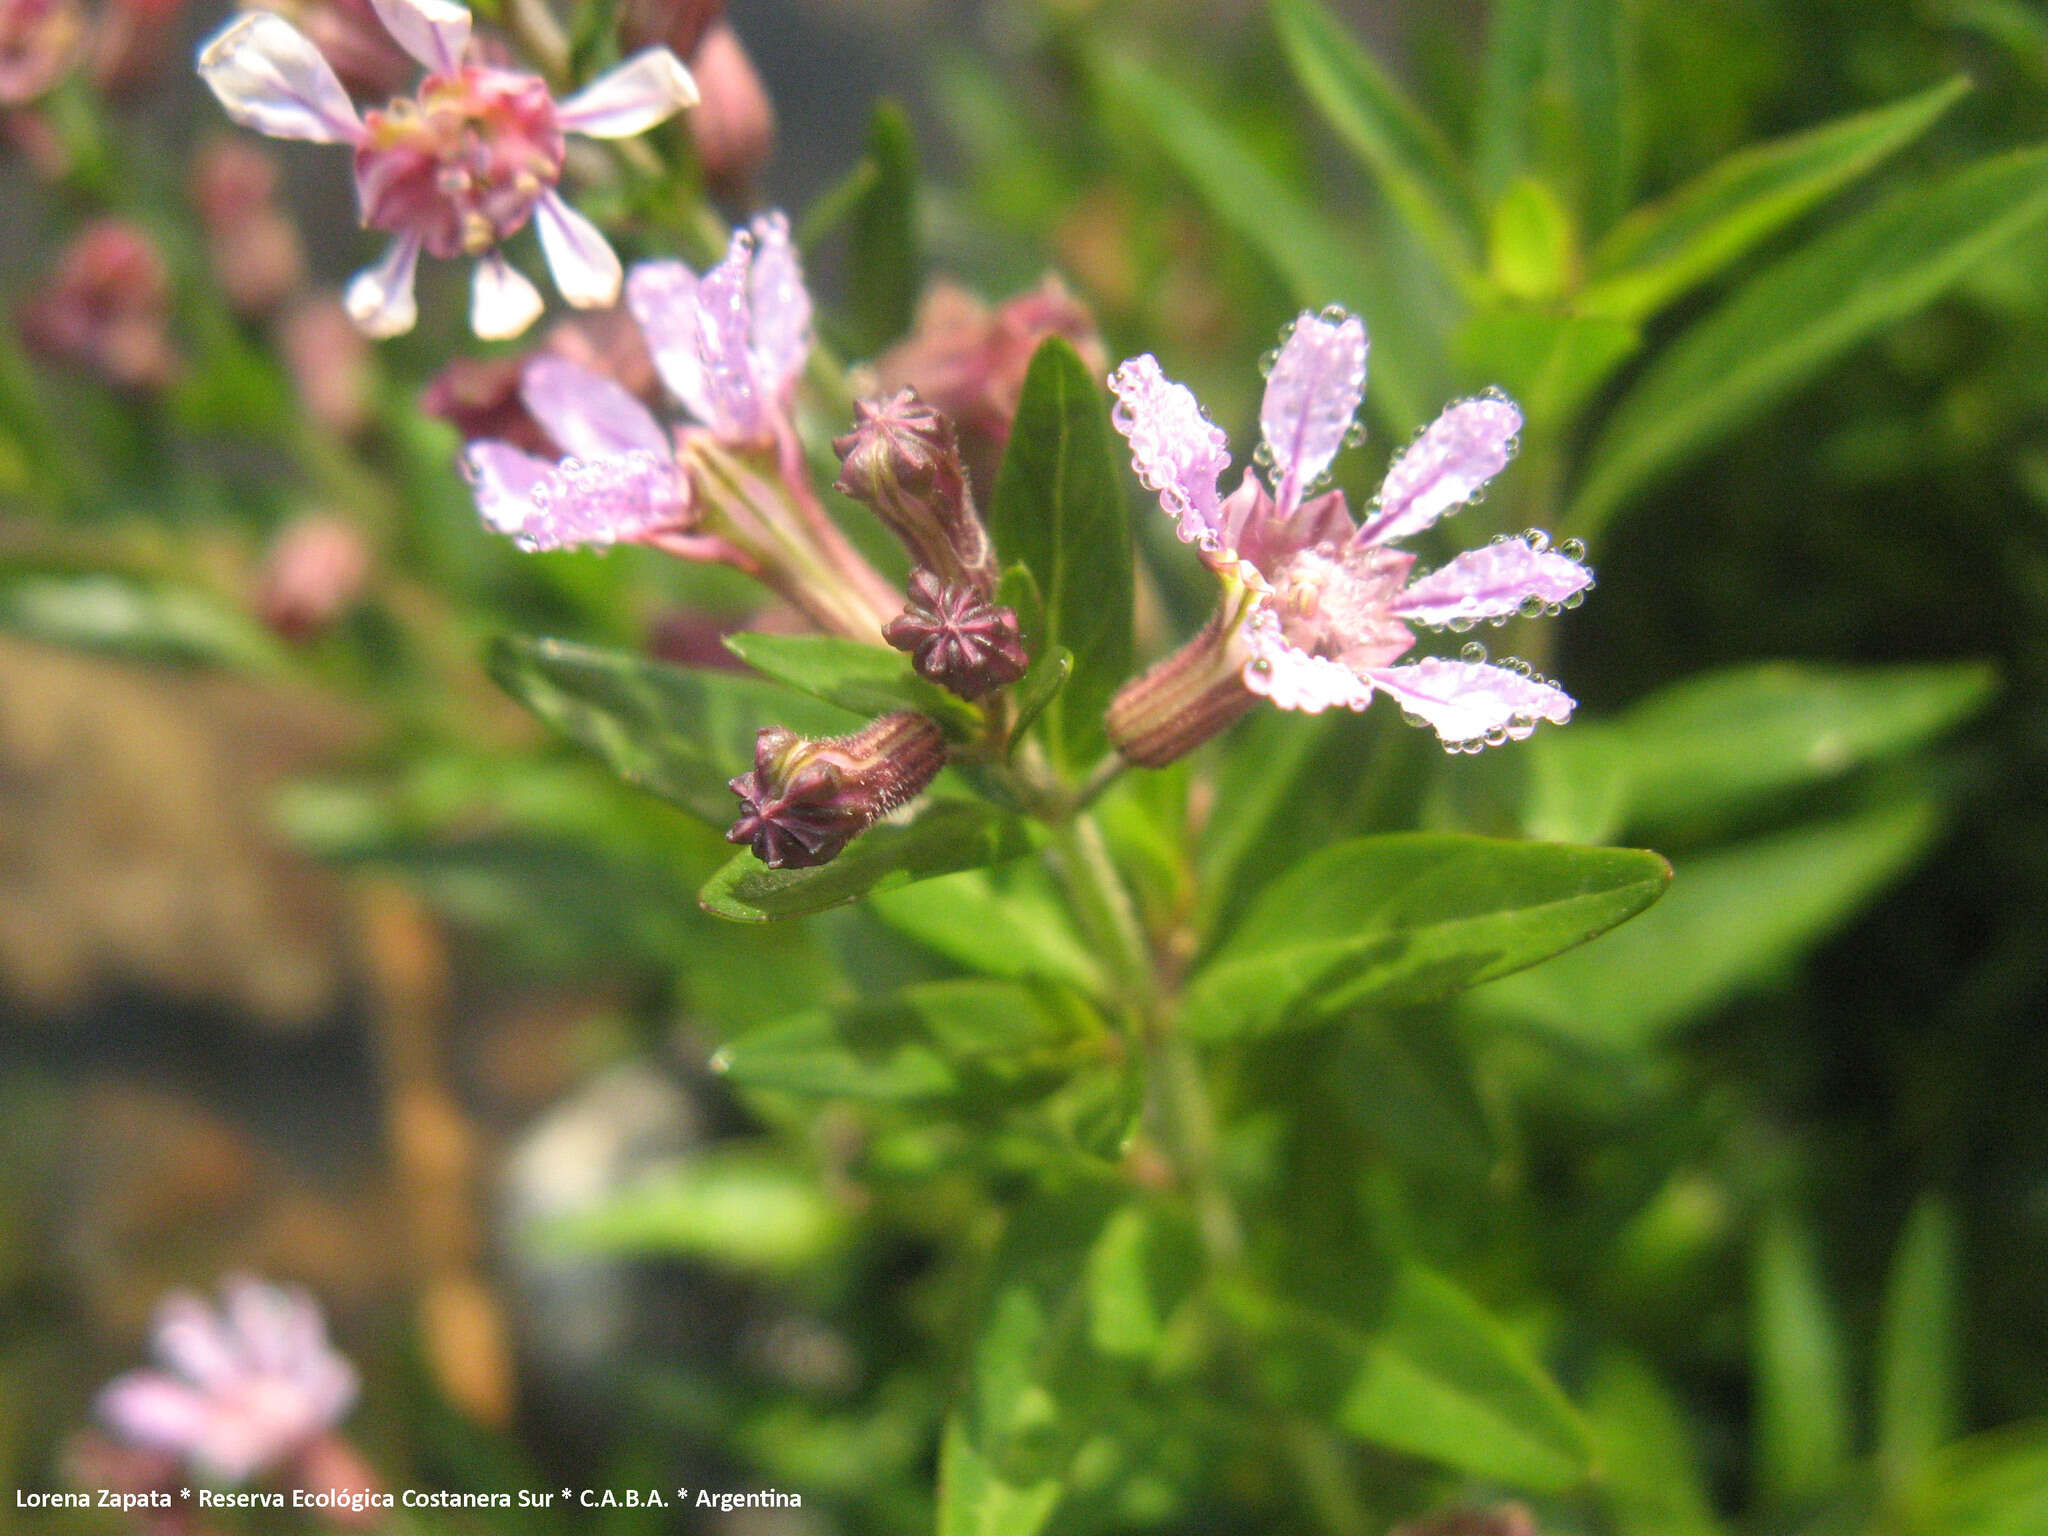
x=781, y=305
x=725, y=326
x=1312, y=395
x=1471, y=704
x=259, y=1317
x=649, y=87
x=1492, y=582
x=1445, y=467
x=502, y=302
x=603, y=501
x=149, y=1409
x=663, y=298
x=1293, y=678
x=502, y=478
x=1177, y=451
x=435, y=32
x=585, y=267
x=591, y=416
x=380, y=299
x=191, y=1340
x=269, y=77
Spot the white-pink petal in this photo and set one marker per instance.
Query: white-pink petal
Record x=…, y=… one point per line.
x=737, y=397
x=1470, y=703
x=1445, y=467
x=270, y=77
x=1293, y=678
x=192, y=1341
x=379, y=299
x=1493, y=581
x=780, y=305
x=648, y=88
x=1311, y=399
x=150, y=1409
x=603, y=501
x=502, y=479
x=663, y=298
x=1177, y=451
x=435, y=32
x=502, y=302
x=589, y=415
x=585, y=267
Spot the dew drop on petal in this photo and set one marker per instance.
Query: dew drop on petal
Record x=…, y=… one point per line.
x=1573, y=549
x=1473, y=652
x=1536, y=539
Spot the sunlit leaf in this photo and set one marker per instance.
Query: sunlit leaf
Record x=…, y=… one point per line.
x=734, y=1207
x=1410, y=916
x=1802, y=1423
x=1005, y=922
x=1651, y=1472
x=867, y=680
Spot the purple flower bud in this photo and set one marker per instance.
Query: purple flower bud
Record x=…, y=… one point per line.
x=806, y=800
x=902, y=461
x=957, y=638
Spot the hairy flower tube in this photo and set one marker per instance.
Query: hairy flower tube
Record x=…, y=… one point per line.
x=730, y=487
x=456, y=168
x=244, y=1389
x=1317, y=606
x=806, y=800
x=902, y=462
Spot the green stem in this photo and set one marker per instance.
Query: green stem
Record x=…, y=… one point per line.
x=1106, y=910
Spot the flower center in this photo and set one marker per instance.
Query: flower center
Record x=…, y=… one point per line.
x=1335, y=601
x=461, y=164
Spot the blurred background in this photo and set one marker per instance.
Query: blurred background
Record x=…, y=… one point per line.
x=320, y=960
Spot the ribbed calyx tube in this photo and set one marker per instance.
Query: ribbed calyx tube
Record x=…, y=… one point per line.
x=902, y=461
x=806, y=800
x=1181, y=702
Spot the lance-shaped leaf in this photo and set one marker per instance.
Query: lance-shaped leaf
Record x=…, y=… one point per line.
x=1431, y=1374
x=1410, y=916
x=159, y=623
x=866, y=679
x=1714, y=935
x=678, y=732
x=980, y=1039
x=1917, y=1377
x=882, y=260
x=1552, y=100
x=1660, y=252
x=1794, y=319
x=976, y=1499
x=1803, y=1421
x=1414, y=166
x=1059, y=508
x=1005, y=922
x=944, y=838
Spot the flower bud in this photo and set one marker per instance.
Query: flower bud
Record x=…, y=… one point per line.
x=679, y=25
x=733, y=123
x=329, y=360
x=903, y=462
x=38, y=40
x=957, y=638
x=1187, y=698
x=252, y=247
x=107, y=308
x=806, y=800
x=313, y=574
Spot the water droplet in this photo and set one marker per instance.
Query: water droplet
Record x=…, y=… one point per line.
x=1574, y=600
x=1266, y=361
x=1462, y=624
x=1536, y=539
x=1263, y=454
x=1473, y=652
x=1335, y=314
x=1533, y=607
x=1497, y=736
x=1573, y=549
x=1409, y=717
x=1354, y=434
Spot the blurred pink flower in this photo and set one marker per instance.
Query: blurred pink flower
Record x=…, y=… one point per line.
x=245, y=1389
x=107, y=308
x=1320, y=606
x=312, y=575
x=481, y=397
x=457, y=168
x=733, y=126
x=330, y=362
x=252, y=247
x=38, y=41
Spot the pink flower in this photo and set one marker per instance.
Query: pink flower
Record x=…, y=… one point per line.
x=246, y=1388
x=729, y=345
x=38, y=41
x=456, y=168
x=1324, y=604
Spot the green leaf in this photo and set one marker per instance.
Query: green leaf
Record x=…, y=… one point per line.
x=1551, y=363
x=937, y=1040
x=1798, y=316
x=126, y=618
x=1532, y=249
x=945, y=837
x=1139, y=1270
x=1713, y=935
x=1059, y=508
x=1410, y=916
x=1552, y=101
x=1989, y=1485
x=1662, y=251
x=1917, y=1376
x=1404, y=150
x=1651, y=1471
x=883, y=268
x=1802, y=1391
x=976, y=1500
x=734, y=1207
x=1726, y=740
x=1005, y=922
x=1432, y=1376
x=868, y=680
x=1292, y=233
x=677, y=732
x=1037, y=689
